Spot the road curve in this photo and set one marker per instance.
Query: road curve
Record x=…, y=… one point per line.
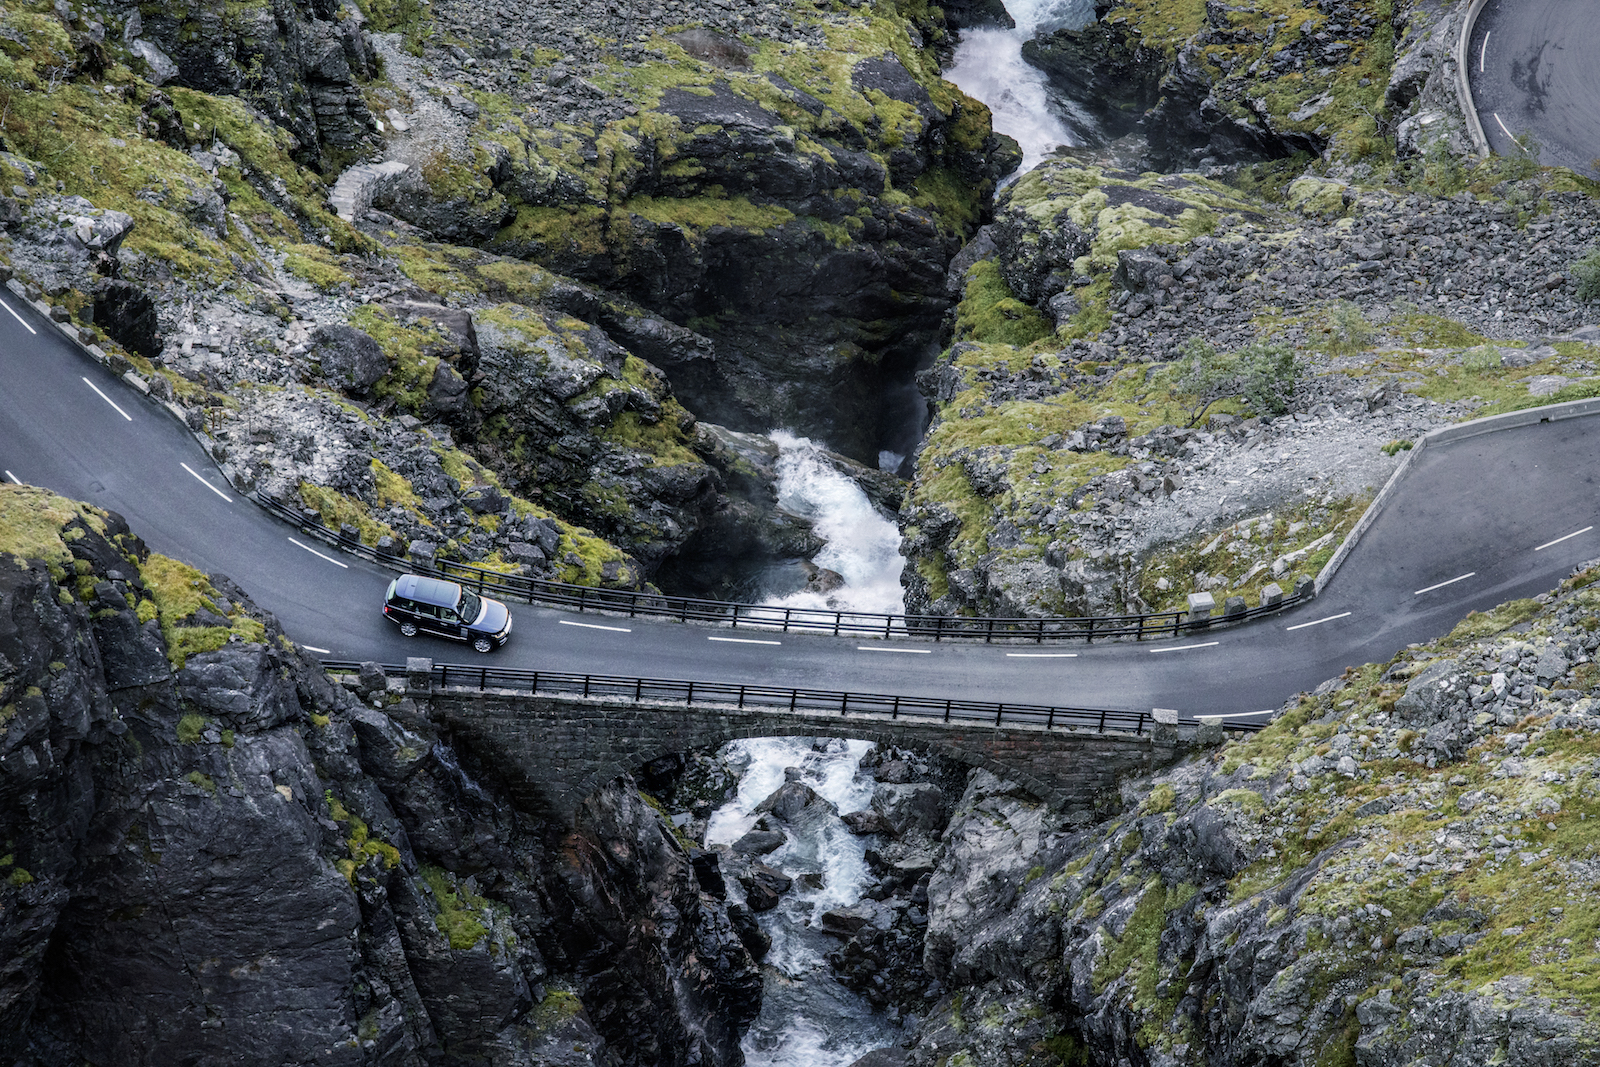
x=1534, y=68
x=1471, y=528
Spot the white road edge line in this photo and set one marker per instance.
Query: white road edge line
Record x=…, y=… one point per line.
x=13, y=477
x=314, y=648
x=1558, y=540
x=19, y=318
x=595, y=626
x=108, y=400
x=205, y=483
x=743, y=641
x=1317, y=622
x=910, y=651
x=1184, y=648
x=1503, y=126
x=1234, y=715
x=1484, y=51
x=1441, y=585
x=314, y=552
x=1041, y=655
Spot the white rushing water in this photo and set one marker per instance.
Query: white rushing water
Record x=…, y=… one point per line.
x=807, y=1018
x=863, y=546
x=989, y=65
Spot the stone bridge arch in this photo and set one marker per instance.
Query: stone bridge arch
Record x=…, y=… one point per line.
x=554, y=751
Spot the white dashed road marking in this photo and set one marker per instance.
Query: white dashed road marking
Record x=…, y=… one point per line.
x=314, y=648
x=205, y=483
x=1184, y=648
x=595, y=626
x=1503, y=126
x=1041, y=655
x=314, y=552
x=13, y=477
x=108, y=400
x=19, y=318
x=1558, y=540
x=1441, y=585
x=910, y=651
x=1317, y=622
x=743, y=641
x=1484, y=51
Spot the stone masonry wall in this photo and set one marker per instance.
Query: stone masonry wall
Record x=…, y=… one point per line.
x=553, y=751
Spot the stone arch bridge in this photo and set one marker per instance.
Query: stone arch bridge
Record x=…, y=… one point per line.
x=555, y=750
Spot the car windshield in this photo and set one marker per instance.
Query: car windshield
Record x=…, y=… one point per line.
x=469, y=607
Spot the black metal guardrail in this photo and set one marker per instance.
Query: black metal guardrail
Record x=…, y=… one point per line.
x=777, y=698
x=766, y=617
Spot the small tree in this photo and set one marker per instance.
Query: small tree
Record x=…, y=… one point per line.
x=1263, y=375
x=1587, y=271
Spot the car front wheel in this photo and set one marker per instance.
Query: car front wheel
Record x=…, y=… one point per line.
x=409, y=629
x=483, y=644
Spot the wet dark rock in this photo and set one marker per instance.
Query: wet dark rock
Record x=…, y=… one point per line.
x=764, y=887
x=864, y=822
x=760, y=842
x=128, y=316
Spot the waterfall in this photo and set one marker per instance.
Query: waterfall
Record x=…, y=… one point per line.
x=863, y=547
x=989, y=65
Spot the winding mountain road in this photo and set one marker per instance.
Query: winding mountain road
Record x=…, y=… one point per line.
x=1479, y=521
x=1534, y=68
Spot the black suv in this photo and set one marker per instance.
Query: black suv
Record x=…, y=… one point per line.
x=435, y=606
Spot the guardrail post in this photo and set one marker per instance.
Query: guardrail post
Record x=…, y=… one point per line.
x=999, y=713
x=894, y=712
x=736, y=617
x=419, y=674
x=689, y=696
x=786, y=619
x=988, y=637
x=794, y=696
x=1088, y=636
x=1102, y=727
x=586, y=685
x=844, y=702
x=838, y=617
x=1050, y=720
x=583, y=595
x=1041, y=632
x=947, y=711
x=938, y=628
x=638, y=689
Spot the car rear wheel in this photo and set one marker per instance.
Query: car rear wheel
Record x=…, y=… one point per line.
x=483, y=644
x=409, y=629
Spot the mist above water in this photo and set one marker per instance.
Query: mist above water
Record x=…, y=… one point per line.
x=989, y=65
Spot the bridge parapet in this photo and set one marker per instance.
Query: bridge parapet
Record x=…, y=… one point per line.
x=555, y=750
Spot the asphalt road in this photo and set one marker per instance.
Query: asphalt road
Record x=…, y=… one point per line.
x=1534, y=67
x=1473, y=529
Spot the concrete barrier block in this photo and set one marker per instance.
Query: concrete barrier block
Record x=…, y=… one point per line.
x=1233, y=606
x=1200, y=606
x=1271, y=594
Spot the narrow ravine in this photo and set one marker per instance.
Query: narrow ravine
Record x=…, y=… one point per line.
x=989, y=65
x=807, y=1018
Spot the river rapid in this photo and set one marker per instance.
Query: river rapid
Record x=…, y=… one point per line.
x=808, y=1019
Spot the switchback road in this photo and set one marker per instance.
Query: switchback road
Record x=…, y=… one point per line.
x=1479, y=521
x=1534, y=68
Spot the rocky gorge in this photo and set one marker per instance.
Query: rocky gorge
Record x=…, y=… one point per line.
x=533, y=289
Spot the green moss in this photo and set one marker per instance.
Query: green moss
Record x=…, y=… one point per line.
x=190, y=728
x=202, y=781
x=457, y=918
x=1160, y=800
x=19, y=878
x=317, y=266
x=179, y=591
x=696, y=215
x=990, y=314
x=34, y=522
x=336, y=510
x=1481, y=624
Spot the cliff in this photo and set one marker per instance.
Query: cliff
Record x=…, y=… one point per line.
x=212, y=853
x=1398, y=870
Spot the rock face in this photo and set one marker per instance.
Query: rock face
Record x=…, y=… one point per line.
x=1109, y=275
x=1359, y=882
x=300, y=63
x=213, y=851
x=798, y=221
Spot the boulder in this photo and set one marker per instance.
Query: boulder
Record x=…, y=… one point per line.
x=910, y=807
x=763, y=886
x=351, y=360
x=760, y=842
